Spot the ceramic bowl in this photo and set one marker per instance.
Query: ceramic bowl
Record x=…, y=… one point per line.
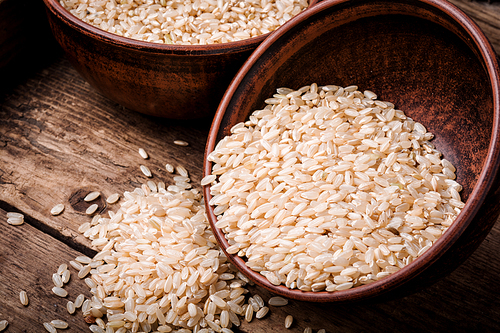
x=172, y=81
x=428, y=58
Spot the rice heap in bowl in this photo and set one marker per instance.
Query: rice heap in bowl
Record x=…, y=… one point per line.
x=186, y=22
x=328, y=188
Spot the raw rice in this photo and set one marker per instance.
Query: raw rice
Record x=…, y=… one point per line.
x=56, y=279
x=277, y=301
x=62, y=268
x=92, y=196
x=170, y=168
x=308, y=330
x=59, y=291
x=70, y=306
x=113, y=198
x=15, y=215
x=23, y=297
x=145, y=170
x=327, y=188
x=181, y=143
x=160, y=265
x=14, y=218
x=143, y=153
x=76, y=265
x=57, y=209
x=49, y=328
x=79, y=300
x=91, y=209
x=262, y=312
x=59, y=324
x=288, y=321
x=3, y=324
x=186, y=22
x=66, y=275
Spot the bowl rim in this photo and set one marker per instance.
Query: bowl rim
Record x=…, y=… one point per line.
x=89, y=30
x=477, y=196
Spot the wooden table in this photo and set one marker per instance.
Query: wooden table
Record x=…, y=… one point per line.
x=60, y=139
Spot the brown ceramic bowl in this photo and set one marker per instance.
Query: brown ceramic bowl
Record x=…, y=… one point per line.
x=431, y=61
x=172, y=81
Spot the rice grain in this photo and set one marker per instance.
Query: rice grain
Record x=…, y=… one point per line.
x=145, y=170
x=59, y=324
x=92, y=196
x=262, y=312
x=330, y=175
x=186, y=22
x=113, y=198
x=59, y=291
x=70, y=306
x=190, y=284
x=57, y=209
x=3, y=324
x=143, y=153
x=49, y=328
x=79, y=300
x=277, y=301
x=23, y=296
x=181, y=143
x=91, y=209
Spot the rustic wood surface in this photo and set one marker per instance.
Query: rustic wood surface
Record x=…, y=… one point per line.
x=60, y=139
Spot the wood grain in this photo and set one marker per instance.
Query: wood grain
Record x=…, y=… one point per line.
x=28, y=259
x=487, y=17
x=59, y=137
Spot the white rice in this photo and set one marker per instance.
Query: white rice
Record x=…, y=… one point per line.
x=327, y=188
x=23, y=297
x=159, y=266
x=186, y=22
x=143, y=153
x=57, y=209
x=113, y=198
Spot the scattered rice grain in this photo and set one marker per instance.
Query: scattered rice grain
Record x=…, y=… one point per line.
x=181, y=143
x=145, y=170
x=49, y=328
x=57, y=209
x=23, y=296
x=143, y=153
x=113, y=198
x=59, y=291
x=59, y=324
x=70, y=306
x=91, y=209
x=277, y=301
x=92, y=196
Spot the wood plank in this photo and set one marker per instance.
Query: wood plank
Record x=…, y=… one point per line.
x=59, y=137
x=28, y=258
x=487, y=17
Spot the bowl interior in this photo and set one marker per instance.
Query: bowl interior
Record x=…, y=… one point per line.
x=410, y=53
x=426, y=70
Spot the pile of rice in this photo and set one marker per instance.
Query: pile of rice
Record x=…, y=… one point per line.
x=159, y=267
x=187, y=22
x=328, y=188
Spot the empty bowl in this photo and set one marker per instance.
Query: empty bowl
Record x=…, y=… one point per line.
x=430, y=60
